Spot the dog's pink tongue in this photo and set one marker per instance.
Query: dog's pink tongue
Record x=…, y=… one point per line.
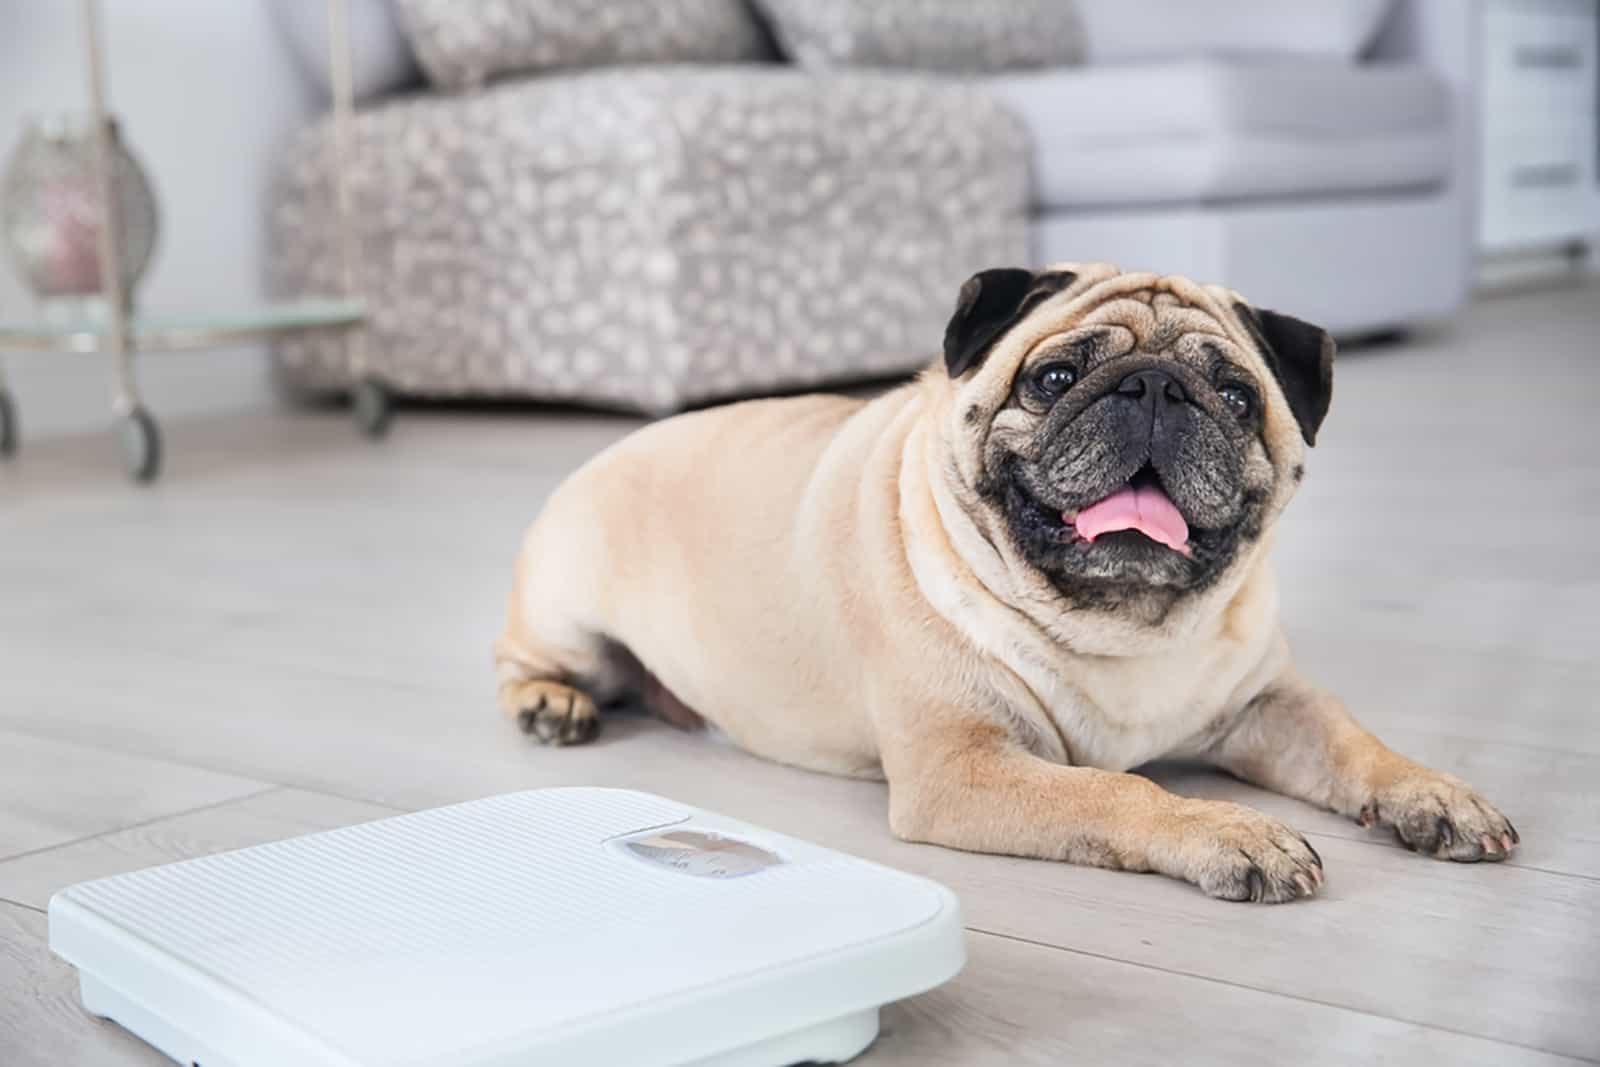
x=1145, y=509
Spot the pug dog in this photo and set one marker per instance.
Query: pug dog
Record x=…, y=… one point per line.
x=999, y=587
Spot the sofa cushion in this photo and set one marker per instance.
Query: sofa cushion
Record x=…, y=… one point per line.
x=464, y=44
x=948, y=35
x=1123, y=30
x=1206, y=129
x=655, y=236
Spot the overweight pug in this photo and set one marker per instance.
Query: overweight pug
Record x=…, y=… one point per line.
x=999, y=587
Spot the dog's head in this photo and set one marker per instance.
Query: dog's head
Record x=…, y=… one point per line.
x=1130, y=436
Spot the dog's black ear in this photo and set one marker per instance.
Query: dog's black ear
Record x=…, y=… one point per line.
x=990, y=302
x=1301, y=358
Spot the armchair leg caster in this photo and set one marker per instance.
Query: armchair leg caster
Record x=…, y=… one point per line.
x=373, y=407
x=141, y=445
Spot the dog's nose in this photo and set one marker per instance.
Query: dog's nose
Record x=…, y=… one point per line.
x=1151, y=387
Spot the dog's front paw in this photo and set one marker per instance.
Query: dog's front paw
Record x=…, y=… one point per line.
x=555, y=713
x=1237, y=853
x=1440, y=815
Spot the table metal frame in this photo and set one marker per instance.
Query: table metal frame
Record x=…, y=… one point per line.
x=121, y=337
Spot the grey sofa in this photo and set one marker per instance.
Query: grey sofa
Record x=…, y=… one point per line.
x=655, y=236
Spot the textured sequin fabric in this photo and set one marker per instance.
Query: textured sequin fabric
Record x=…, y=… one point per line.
x=947, y=35
x=463, y=43
x=649, y=238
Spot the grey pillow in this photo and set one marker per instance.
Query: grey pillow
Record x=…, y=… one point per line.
x=947, y=35
x=463, y=43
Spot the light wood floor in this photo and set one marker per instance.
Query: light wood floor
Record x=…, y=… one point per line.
x=291, y=633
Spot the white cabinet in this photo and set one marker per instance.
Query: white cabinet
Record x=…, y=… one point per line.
x=1538, y=182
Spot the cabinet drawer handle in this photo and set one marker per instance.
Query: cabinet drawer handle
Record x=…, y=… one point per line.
x=1547, y=56
x=1544, y=175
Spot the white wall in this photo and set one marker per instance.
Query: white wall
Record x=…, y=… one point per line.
x=206, y=95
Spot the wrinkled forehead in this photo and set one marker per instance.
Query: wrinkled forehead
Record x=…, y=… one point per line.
x=1142, y=312
x=1157, y=319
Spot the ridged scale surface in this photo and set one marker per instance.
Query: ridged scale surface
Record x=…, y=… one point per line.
x=496, y=918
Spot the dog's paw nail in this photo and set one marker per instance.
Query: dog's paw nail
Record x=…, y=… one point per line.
x=1439, y=816
x=1240, y=854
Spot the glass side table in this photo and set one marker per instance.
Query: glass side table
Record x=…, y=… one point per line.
x=120, y=333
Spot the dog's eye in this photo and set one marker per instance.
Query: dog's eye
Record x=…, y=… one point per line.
x=1055, y=379
x=1238, y=400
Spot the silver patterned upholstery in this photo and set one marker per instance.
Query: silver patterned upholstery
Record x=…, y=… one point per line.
x=948, y=35
x=462, y=44
x=651, y=238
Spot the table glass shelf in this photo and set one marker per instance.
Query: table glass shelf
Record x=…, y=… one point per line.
x=170, y=333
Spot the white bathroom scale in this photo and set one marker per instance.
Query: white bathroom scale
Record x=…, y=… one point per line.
x=561, y=926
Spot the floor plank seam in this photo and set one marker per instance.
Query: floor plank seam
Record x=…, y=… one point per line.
x=320, y=790
x=310, y=671
x=1513, y=864
x=1529, y=657
x=33, y=734
x=24, y=907
x=1287, y=996
x=1558, y=874
x=141, y=824
x=268, y=787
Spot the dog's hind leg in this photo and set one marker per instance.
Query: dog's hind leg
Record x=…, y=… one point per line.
x=547, y=707
x=550, y=672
